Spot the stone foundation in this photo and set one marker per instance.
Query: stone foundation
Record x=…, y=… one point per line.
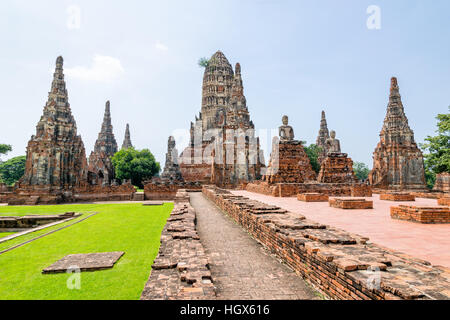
x=31, y=221
x=397, y=197
x=312, y=197
x=181, y=269
x=334, y=261
x=292, y=189
x=350, y=203
x=421, y=214
x=43, y=195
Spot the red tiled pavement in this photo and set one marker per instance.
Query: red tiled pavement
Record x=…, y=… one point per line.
x=430, y=242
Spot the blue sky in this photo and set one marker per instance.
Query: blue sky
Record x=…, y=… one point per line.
x=297, y=58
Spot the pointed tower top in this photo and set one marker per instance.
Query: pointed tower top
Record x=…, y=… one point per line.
x=59, y=60
x=238, y=68
x=127, y=140
x=106, y=142
x=324, y=134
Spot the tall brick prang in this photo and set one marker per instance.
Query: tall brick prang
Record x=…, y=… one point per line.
x=101, y=169
x=322, y=138
x=397, y=160
x=171, y=169
x=55, y=154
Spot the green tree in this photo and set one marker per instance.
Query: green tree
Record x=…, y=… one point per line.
x=203, y=62
x=137, y=165
x=437, y=150
x=313, y=151
x=361, y=170
x=5, y=148
x=12, y=170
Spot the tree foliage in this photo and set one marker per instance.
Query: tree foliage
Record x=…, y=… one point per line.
x=5, y=148
x=437, y=149
x=12, y=170
x=203, y=62
x=313, y=151
x=137, y=165
x=361, y=170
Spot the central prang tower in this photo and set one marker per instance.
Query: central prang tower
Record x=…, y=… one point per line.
x=223, y=147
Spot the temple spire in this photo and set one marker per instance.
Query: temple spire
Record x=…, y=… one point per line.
x=106, y=141
x=323, y=136
x=127, y=140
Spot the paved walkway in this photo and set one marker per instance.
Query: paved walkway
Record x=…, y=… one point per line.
x=430, y=242
x=240, y=266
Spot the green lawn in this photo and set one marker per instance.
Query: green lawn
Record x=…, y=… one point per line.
x=132, y=228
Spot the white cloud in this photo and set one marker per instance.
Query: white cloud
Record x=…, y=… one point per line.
x=161, y=46
x=103, y=69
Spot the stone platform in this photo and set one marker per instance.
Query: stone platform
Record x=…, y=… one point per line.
x=342, y=265
x=312, y=197
x=421, y=214
x=85, y=262
x=350, y=203
x=397, y=197
x=31, y=221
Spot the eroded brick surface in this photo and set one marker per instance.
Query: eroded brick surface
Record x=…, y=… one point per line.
x=312, y=197
x=350, y=203
x=340, y=264
x=397, y=197
x=181, y=269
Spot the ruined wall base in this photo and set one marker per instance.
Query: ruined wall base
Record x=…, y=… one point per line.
x=167, y=190
x=336, y=262
x=292, y=189
x=397, y=197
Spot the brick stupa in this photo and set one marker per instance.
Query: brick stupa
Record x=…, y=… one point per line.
x=397, y=160
x=172, y=170
x=322, y=138
x=101, y=169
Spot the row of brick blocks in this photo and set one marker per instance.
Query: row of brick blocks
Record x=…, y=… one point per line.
x=339, y=264
x=181, y=269
x=341, y=203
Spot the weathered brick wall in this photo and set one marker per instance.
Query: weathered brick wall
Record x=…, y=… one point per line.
x=421, y=214
x=180, y=271
x=397, y=197
x=334, y=261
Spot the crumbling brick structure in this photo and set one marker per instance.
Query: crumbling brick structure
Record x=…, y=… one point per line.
x=340, y=264
x=312, y=197
x=442, y=183
x=397, y=160
x=223, y=148
x=336, y=168
x=181, y=269
x=397, y=196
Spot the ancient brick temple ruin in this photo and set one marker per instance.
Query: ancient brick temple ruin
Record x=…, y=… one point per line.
x=290, y=173
x=56, y=166
x=127, y=139
x=442, y=182
x=336, y=167
x=289, y=162
x=397, y=160
x=223, y=148
x=171, y=180
x=101, y=169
